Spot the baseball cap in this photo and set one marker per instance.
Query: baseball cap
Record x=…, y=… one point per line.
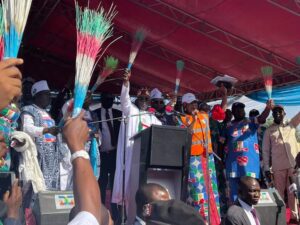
x=188, y=98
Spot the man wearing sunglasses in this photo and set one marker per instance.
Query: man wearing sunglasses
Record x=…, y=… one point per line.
x=158, y=103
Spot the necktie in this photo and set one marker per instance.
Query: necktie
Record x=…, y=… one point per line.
x=253, y=211
x=111, y=130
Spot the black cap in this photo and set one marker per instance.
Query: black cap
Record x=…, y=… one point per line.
x=173, y=212
x=237, y=105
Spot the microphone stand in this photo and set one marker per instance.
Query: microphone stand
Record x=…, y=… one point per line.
x=124, y=120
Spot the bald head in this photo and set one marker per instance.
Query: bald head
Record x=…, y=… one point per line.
x=249, y=190
x=149, y=193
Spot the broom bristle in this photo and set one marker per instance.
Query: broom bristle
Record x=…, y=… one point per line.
x=298, y=60
x=15, y=15
x=179, y=65
x=1, y=33
x=93, y=28
x=267, y=70
x=140, y=35
x=111, y=63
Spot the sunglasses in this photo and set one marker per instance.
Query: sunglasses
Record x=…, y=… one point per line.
x=145, y=99
x=159, y=102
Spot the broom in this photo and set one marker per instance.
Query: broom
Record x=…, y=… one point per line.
x=267, y=72
x=138, y=40
x=1, y=33
x=110, y=66
x=15, y=14
x=93, y=29
x=179, y=67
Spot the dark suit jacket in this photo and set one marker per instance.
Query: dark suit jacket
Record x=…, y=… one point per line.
x=115, y=113
x=236, y=215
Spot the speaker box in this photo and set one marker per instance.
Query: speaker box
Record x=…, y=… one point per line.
x=168, y=178
x=271, y=208
x=162, y=152
x=53, y=208
x=167, y=146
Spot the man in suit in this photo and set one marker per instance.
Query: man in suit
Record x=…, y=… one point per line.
x=242, y=211
x=108, y=149
x=146, y=194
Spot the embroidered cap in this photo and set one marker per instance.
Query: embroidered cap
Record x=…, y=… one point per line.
x=155, y=93
x=39, y=86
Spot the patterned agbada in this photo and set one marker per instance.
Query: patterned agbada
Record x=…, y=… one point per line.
x=8, y=123
x=243, y=149
x=48, y=153
x=243, y=152
x=199, y=180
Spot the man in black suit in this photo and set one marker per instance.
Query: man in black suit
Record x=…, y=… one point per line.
x=109, y=132
x=243, y=212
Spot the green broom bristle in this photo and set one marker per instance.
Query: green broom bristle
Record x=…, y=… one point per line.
x=111, y=63
x=140, y=35
x=1, y=21
x=266, y=70
x=179, y=65
x=98, y=24
x=298, y=60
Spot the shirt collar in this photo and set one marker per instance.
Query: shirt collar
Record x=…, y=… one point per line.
x=245, y=205
x=142, y=222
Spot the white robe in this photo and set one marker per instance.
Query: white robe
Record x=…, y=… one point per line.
x=128, y=108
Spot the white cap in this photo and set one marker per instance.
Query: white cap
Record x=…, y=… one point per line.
x=155, y=93
x=188, y=98
x=39, y=86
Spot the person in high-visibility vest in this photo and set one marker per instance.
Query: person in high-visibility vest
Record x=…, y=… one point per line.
x=199, y=182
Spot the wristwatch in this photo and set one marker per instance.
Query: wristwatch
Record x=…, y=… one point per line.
x=80, y=154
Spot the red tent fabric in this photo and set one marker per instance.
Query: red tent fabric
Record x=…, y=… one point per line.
x=213, y=37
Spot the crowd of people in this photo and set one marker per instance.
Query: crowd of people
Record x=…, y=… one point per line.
x=229, y=161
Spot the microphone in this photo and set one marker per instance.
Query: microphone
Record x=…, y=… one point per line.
x=170, y=110
x=293, y=187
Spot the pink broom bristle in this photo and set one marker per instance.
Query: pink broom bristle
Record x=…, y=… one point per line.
x=92, y=41
x=267, y=72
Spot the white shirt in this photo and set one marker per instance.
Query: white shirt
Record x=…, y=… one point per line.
x=247, y=209
x=84, y=218
x=106, y=138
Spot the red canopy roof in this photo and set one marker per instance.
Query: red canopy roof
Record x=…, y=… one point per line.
x=213, y=37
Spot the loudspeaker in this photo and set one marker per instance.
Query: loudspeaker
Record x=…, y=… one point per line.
x=162, y=152
x=271, y=208
x=168, y=178
x=53, y=208
x=167, y=146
